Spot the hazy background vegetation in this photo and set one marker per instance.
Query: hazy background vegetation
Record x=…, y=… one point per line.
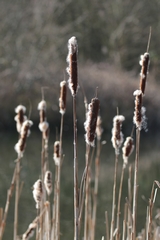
x=111, y=35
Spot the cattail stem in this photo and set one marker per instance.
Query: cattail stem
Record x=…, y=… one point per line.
x=86, y=221
x=107, y=225
x=119, y=203
x=9, y=195
x=129, y=226
x=150, y=210
x=76, y=193
x=16, y=198
x=114, y=197
x=135, y=190
x=58, y=182
x=97, y=162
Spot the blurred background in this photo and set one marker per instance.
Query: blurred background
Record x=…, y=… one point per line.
x=111, y=34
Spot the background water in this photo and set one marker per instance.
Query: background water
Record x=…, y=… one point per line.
x=30, y=172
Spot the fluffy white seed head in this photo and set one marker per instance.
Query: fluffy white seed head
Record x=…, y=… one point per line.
x=62, y=98
x=72, y=69
x=42, y=105
x=20, y=108
x=30, y=231
x=117, y=135
x=137, y=118
x=127, y=150
x=37, y=192
x=56, y=154
x=48, y=182
x=43, y=126
x=91, y=121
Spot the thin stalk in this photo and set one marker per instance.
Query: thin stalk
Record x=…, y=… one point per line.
x=124, y=222
x=107, y=225
x=150, y=209
x=9, y=195
x=54, y=217
x=76, y=197
x=97, y=162
x=16, y=198
x=119, y=203
x=86, y=219
x=114, y=198
x=58, y=183
x=135, y=192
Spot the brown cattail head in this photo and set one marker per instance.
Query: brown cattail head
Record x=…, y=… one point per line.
x=38, y=192
x=25, y=132
x=62, y=99
x=144, y=62
x=127, y=150
x=117, y=135
x=30, y=231
x=137, y=119
x=56, y=155
x=91, y=121
x=72, y=68
x=20, y=117
x=48, y=182
x=99, y=129
x=42, y=111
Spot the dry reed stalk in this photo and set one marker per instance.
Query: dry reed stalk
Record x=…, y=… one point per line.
x=9, y=195
x=150, y=209
x=107, y=225
x=53, y=229
x=99, y=131
x=90, y=128
x=129, y=204
x=124, y=222
x=135, y=189
x=138, y=120
x=127, y=150
x=62, y=110
x=32, y=226
x=47, y=222
x=55, y=219
x=19, y=148
x=117, y=140
x=86, y=215
x=73, y=85
x=44, y=128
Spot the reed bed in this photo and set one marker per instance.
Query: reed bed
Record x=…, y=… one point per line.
x=46, y=223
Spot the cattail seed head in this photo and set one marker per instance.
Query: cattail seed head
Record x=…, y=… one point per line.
x=43, y=126
x=38, y=192
x=20, y=117
x=42, y=106
x=62, y=99
x=117, y=135
x=137, y=119
x=48, y=182
x=127, y=150
x=99, y=129
x=56, y=155
x=25, y=132
x=144, y=62
x=72, y=68
x=30, y=231
x=91, y=121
